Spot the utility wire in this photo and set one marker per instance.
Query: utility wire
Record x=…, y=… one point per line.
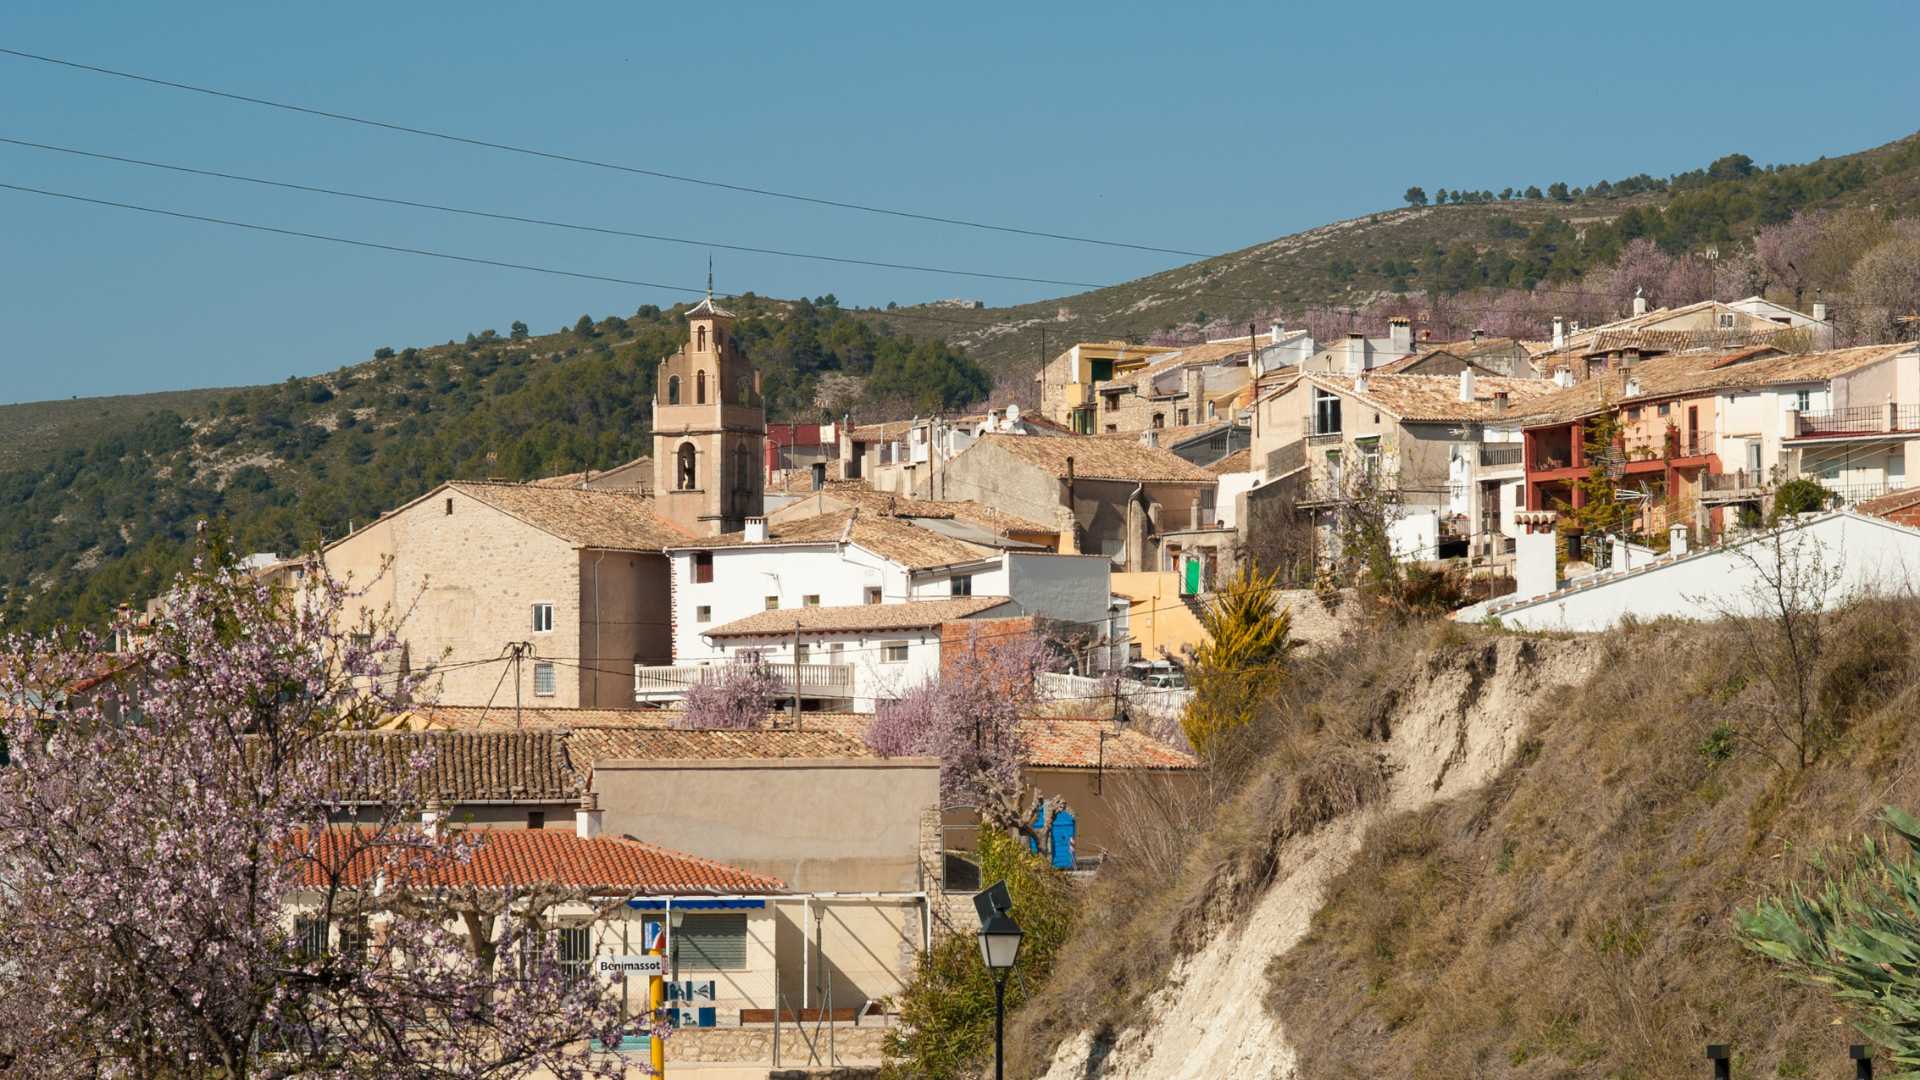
x=594, y=163
x=574, y=226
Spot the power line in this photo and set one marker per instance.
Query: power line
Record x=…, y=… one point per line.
x=547, y=223
x=595, y=163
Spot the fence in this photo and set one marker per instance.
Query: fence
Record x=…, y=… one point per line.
x=1138, y=699
x=1859, y=420
x=1720, y=1058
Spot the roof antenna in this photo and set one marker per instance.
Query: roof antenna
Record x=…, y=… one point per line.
x=709, y=277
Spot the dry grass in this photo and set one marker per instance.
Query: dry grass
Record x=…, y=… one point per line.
x=1196, y=859
x=1572, y=919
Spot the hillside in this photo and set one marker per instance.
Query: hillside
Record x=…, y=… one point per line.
x=33, y=432
x=106, y=513
x=1519, y=243
x=1468, y=854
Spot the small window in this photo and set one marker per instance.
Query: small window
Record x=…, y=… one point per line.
x=702, y=567
x=893, y=652
x=310, y=937
x=802, y=653
x=575, y=952
x=1726, y=320
x=1665, y=408
x=1185, y=418
x=1113, y=429
x=673, y=389
x=810, y=600
x=449, y=506
x=833, y=652
x=1803, y=400
x=542, y=618
x=536, y=819
x=961, y=585
x=703, y=613
x=712, y=942
x=356, y=939
x=700, y=387
x=873, y=594
x=1159, y=420
x=543, y=679
x=773, y=603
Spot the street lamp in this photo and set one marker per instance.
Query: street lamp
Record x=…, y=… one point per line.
x=999, y=948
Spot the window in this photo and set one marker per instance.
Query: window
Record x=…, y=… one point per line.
x=703, y=613
x=702, y=567
x=700, y=337
x=1184, y=417
x=1726, y=320
x=1159, y=421
x=536, y=819
x=1665, y=408
x=1113, y=429
x=962, y=585
x=449, y=506
x=802, y=653
x=810, y=600
x=1326, y=412
x=700, y=387
x=1803, y=400
x=833, y=652
x=873, y=594
x=543, y=679
x=575, y=952
x=356, y=939
x=673, y=389
x=310, y=937
x=1211, y=411
x=773, y=603
x=893, y=652
x=542, y=618
x=1633, y=415
x=715, y=942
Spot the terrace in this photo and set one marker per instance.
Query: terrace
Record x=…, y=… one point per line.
x=652, y=683
x=1860, y=422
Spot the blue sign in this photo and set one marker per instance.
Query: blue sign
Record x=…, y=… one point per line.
x=655, y=934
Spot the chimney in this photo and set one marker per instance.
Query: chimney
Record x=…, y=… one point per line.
x=1559, y=332
x=1466, y=385
x=756, y=530
x=1276, y=332
x=1819, y=311
x=1535, y=552
x=1639, y=303
x=1478, y=333
x=589, y=820
x=819, y=475
x=1620, y=564
x=1069, y=534
x=1499, y=403
x=433, y=817
x=1360, y=383
x=1400, y=329
x=1563, y=376
x=1356, y=354
x=1677, y=538
x=1629, y=384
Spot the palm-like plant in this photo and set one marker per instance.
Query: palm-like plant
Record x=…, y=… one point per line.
x=1243, y=660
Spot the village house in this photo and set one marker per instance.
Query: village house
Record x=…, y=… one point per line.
x=1357, y=353
x=1117, y=497
x=516, y=592
x=906, y=457
x=1445, y=447
x=1703, y=326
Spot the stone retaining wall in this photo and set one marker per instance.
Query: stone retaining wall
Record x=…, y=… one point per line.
x=851, y=1045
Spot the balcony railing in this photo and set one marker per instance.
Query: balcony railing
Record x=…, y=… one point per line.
x=1849, y=494
x=1494, y=457
x=1888, y=419
x=1671, y=443
x=814, y=680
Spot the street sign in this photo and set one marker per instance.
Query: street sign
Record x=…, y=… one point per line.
x=621, y=966
x=655, y=934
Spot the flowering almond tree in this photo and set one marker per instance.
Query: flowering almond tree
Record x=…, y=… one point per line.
x=746, y=691
x=176, y=902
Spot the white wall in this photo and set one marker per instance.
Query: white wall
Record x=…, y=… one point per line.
x=1866, y=553
x=1226, y=499
x=743, y=578
x=1072, y=588
x=874, y=677
x=1415, y=535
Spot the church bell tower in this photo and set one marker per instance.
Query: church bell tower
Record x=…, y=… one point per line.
x=709, y=429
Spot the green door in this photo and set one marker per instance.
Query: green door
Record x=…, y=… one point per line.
x=1190, y=577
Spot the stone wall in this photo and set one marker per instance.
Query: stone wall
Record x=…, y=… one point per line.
x=852, y=1045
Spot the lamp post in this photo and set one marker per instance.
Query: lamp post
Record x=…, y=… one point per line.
x=999, y=947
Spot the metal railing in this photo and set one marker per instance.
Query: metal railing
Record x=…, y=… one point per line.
x=812, y=680
x=1671, y=443
x=1493, y=457
x=1848, y=494
x=1885, y=419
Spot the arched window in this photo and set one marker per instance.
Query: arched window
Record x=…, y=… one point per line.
x=673, y=389
x=700, y=338
x=700, y=387
x=688, y=479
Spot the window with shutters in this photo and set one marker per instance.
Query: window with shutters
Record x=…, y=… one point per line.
x=310, y=937
x=702, y=567
x=543, y=681
x=716, y=942
x=542, y=618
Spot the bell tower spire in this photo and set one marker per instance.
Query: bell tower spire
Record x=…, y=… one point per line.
x=709, y=427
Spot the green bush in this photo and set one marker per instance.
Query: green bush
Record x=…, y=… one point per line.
x=946, y=1013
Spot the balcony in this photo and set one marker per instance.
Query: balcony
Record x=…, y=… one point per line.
x=1500, y=456
x=671, y=681
x=1863, y=422
x=1671, y=443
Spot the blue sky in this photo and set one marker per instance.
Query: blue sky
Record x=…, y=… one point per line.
x=1199, y=126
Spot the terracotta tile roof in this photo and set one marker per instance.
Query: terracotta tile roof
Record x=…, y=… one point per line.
x=887, y=504
x=634, y=743
x=597, y=519
x=1667, y=341
x=1100, y=459
x=522, y=858
x=1437, y=397
x=1682, y=374
x=463, y=767
x=898, y=539
x=1890, y=503
x=878, y=618
x=893, y=429
x=1211, y=353
x=1061, y=743
x=575, y=479
x=1239, y=461
x=1406, y=364
x=495, y=717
